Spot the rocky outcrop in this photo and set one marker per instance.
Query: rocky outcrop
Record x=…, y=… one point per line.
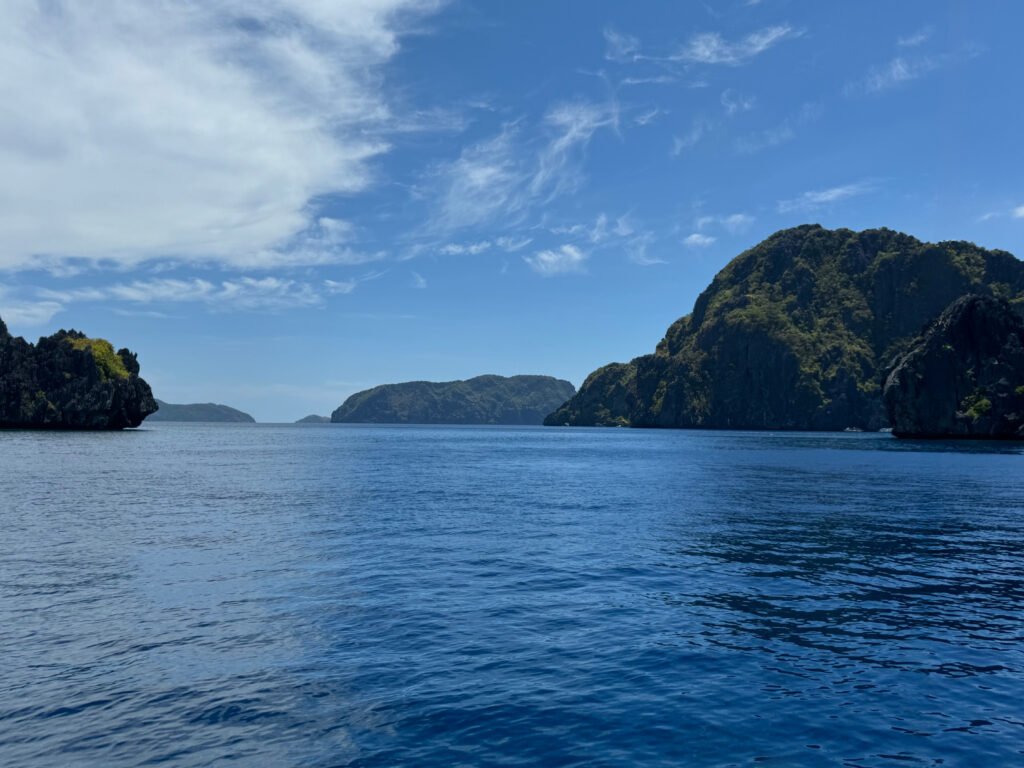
x=70, y=381
x=201, y=412
x=481, y=400
x=963, y=377
x=796, y=333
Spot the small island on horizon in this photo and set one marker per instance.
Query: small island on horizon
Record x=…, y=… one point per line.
x=200, y=412
x=488, y=399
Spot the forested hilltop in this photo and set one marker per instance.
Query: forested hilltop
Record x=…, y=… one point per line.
x=204, y=412
x=798, y=332
x=480, y=400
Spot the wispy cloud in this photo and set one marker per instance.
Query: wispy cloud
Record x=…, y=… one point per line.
x=637, y=250
x=1018, y=212
x=810, y=201
x=463, y=249
x=733, y=102
x=898, y=71
x=236, y=294
x=17, y=312
x=217, y=125
x=512, y=244
x=733, y=223
x=785, y=131
x=919, y=37
x=503, y=177
x=648, y=116
x=698, y=240
x=618, y=46
x=712, y=48
x=905, y=69
x=699, y=128
x=418, y=281
x=566, y=259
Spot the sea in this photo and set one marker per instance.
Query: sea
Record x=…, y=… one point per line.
x=334, y=595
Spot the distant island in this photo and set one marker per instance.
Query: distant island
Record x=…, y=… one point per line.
x=800, y=332
x=481, y=400
x=208, y=412
x=314, y=419
x=70, y=381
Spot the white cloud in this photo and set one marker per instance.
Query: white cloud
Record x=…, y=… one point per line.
x=809, y=201
x=512, y=244
x=917, y=38
x=897, y=72
x=785, y=131
x=343, y=287
x=636, y=250
x=241, y=293
x=464, y=249
x=619, y=47
x=487, y=179
x=191, y=131
x=418, y=281
x=1018, y=212
x=697, y=240
x=503, y=177
x=733, y=223
x=645, y=118
x=18, y=312
x=564, y=260
x=734, y=102
x=712, y=48
x=573, y=124
x=699, y=127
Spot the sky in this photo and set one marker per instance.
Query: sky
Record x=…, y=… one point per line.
x=278, y=203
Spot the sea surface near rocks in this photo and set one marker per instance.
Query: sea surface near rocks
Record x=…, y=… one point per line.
x=330, y=595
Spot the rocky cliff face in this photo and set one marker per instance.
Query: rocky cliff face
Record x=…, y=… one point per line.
x=795, y=333
x=963, y=377
x=69, y=381
x=481, y=400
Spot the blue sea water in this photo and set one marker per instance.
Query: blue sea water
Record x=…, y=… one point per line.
x=325, y=595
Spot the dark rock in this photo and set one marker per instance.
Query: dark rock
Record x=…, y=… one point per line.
x=605, y=398
x=204, y=412
x=69, y=381
x=481, y=400
x=963, y=377
x=795, y=333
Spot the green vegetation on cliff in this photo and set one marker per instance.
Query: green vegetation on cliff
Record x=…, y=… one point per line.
x=959, y=378
x=109, y=363
x=795, y=333
x=481, y=400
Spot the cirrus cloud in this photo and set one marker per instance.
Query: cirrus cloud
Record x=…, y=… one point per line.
x=189, y=131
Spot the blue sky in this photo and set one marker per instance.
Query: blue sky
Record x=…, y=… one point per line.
x=278, y=203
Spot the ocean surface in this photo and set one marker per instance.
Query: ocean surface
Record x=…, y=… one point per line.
x=321, y=595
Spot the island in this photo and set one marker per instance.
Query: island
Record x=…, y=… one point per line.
x=70, y=381
x=796, y=333
x=204, y=412
x=963, y=377
x=314, y=419
x=522, y=400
